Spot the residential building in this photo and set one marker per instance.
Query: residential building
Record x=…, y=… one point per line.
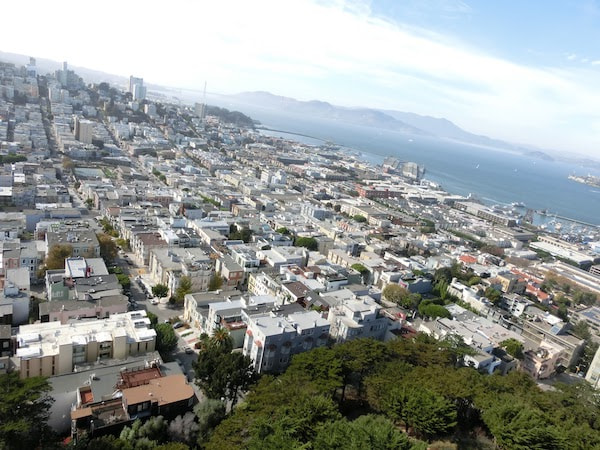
x=48, y=349
x=358, y=318
x=271, y=340
x=83, y=242
x=134, y=393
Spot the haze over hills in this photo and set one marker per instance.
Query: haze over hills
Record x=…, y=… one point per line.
x=404, y=122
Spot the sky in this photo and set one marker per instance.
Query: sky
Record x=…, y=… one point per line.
x=523, y=71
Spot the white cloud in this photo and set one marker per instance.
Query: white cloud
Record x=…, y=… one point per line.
x=334, y=51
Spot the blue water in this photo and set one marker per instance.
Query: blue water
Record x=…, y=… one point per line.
x=493, y=175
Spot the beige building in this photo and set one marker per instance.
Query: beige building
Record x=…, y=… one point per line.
x=48, y=349
x=168, y=265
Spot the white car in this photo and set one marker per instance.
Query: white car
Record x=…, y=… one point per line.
x=154, y=301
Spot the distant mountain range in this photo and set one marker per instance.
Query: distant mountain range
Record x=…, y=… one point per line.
x=404, y=122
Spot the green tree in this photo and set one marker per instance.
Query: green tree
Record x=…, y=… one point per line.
x=209, y=414
x=432, y=310
x=153, y=318
x=321, y=366
x=108, y=248
x=24, y=410
x=294, y=424
x=493, y=295
x=283, y=230
x=184, y=288
x=221, y=373
x=428, y=413
x=124, y=244
x=184, y=428
x=364, y=272
x=516, y=425
x=160, y=290
x=307, y=242
x=166, y=339
x=57, y=255
x=215, y=282
x=359, y=358
x=513, y=347
x=147, y=434
x=359, y=218
x=395, y=293
x=124, y=280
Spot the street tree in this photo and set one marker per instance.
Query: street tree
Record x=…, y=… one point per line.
x=184, y=288
x=108, y=247
x=166, y=339
x=160, y=290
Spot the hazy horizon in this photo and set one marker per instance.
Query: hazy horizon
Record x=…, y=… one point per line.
x=524, y=73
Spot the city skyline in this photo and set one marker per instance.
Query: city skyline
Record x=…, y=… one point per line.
x=523, y=73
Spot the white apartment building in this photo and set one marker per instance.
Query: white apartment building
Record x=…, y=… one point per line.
x=272, y=340
x=47, y=349
x=358, y=318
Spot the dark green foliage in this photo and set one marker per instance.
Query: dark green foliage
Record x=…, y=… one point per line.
x=209, y=414
x=166, y=339
x=221, y=373
x=184, y=288
x=234, y=117
x=307, y=242
x=123, y=280
x=160, y=290
x=283, y=230
x=427, y=309
x=153, y=318
x=215, y=282
x=146, y=435
x=9, y=159
x=493, y=295
x=365, y=433
x=513, y=347
x=24, y=406
x=395, y=293
x=413, y=385
x=242, y=234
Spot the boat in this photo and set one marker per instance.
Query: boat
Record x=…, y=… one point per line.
x=518, y=204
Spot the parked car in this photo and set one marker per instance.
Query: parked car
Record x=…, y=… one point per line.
x=188, y=350
x=155, y=301
x=177, y=324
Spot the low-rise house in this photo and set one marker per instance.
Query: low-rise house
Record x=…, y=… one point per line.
x=134, y=393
